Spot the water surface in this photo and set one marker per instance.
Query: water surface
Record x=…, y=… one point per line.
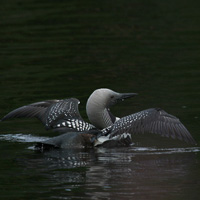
x=117, y=173
x=60, y=49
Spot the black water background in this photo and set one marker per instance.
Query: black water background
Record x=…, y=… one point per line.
x=61, y=49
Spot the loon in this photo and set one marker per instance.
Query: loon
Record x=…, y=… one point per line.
x=105, y=129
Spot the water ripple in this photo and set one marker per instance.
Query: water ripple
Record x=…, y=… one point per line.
x=28, y=138
x=154, y=150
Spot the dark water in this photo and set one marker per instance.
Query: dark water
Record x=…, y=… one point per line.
x=60, y=49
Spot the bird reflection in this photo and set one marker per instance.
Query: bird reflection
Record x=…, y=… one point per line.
x=122, y=173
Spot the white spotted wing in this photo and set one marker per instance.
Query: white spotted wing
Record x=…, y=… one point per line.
x=153, y=120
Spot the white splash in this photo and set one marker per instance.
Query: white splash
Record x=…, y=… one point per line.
x=27, y=138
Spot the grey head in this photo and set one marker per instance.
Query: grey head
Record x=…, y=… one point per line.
x=98, y=106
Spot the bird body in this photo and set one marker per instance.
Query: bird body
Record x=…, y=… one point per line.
x=105, y=129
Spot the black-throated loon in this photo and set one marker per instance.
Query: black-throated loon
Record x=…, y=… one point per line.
x=63, y=116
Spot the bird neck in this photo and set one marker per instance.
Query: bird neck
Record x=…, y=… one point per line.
x=99, y=115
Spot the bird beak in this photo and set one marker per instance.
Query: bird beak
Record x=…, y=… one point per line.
x=123, y=96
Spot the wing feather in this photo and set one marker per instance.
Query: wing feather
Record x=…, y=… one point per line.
x=59, y=115
x=153, y=120
x=32, y=110
x=64, y=116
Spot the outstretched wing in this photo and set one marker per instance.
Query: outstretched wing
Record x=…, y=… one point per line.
x=64, y=116
x=59, y=115
x=32, y=110
x=153, y=120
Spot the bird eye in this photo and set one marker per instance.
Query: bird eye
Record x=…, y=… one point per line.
x=112, y=97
